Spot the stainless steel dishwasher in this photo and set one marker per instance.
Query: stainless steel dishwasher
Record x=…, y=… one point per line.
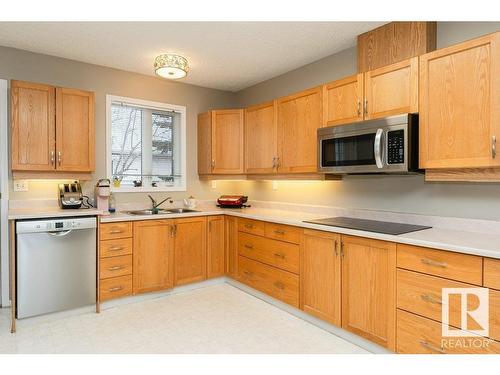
x=56, y=265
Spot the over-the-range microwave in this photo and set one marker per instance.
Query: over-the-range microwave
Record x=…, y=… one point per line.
x=387, y=145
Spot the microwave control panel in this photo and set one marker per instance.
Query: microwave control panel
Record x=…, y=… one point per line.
x=396, y=147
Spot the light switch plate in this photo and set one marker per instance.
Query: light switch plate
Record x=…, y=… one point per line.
x=20, y=185
x=214, y=184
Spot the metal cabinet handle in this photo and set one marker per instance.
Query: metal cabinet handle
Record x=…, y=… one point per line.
x=52, y=157
x=341, y=249
x=116, y=231
x=377, y=148
x=213, y=163
x=249, y=226
x=279, y=285
x=493, y=146
x=115, y=289
x=335, y=248
x=274, y=162
x=116, y=248
x=173, y=230
x=359, y=107
x=116, y=268
x=59, y=157
x=279, y=231
x=248, y=246
x=365, y=106
x=426, y=345
x=430, y=298
x=277, y=161
x=248, y=273
x=280, y=255
x=431, y=262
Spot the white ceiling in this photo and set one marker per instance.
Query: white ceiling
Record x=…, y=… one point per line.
x=223, y=55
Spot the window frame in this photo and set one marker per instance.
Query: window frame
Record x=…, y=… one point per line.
x=182, y=184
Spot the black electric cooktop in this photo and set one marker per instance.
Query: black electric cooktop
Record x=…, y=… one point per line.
x=369, y=225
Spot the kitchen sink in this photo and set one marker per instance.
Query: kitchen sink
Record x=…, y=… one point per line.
x=161, y=211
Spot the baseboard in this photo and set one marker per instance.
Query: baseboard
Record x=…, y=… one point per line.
x=337, y=331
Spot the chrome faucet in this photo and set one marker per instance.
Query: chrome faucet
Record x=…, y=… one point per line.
x=155, y=205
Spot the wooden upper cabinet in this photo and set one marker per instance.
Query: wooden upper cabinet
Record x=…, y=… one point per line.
x=190, y=247
x=33, y=126
x=460, y=105
x=369, y=289
x=260, y=138
x=216, y=259
x=321, y=275
x=391, y=90
x=299, y=117
x=153, y=256
x=52, y=128
x=204, y=143
x=395, y=42
x=342, y=100
x=75, y=134
x=227, y=141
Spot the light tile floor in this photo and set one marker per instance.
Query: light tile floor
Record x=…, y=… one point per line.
x=215, y=319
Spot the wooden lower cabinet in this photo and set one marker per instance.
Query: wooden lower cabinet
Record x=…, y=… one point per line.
x=115, y=287
x=277, y=283
x=321, y=275
x=216, y=261
x=231, y=246
x=190, y=244
x=153, y=255
x=369, y=289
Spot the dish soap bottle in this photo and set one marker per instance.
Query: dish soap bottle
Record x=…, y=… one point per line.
x=112, y=203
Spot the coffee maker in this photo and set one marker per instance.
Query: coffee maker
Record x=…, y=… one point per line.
x=102, y=193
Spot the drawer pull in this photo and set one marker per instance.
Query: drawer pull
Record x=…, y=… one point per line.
x=116, y=268
x=279, y=285
x=279, y=231
x=279, y=255
x=248, y=273
x=431, y=262
x=115, y=289
x=116, y=248
x=431, y=299
x=116, y=231
x=249, y=226
x=248, y=246
x=426, y=345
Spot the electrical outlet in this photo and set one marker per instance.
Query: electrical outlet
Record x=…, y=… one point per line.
x=214, y=184
x=20, y=185
x=275, y=185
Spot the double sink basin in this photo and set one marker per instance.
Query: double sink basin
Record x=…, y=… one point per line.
x=161, y=211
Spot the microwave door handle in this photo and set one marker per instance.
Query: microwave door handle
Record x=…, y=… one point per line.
x=377, y=148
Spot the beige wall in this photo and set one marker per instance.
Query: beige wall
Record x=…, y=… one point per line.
x=402, y=194
x=22, y=65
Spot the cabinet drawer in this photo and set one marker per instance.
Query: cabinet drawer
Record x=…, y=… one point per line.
x=251, y=226
x=460, y=267
x=492, y=273
x=279, y=284
x=115, y=287
x=418, y=335
x=110, y=231
x=113, y=248
x=421, y=294
x=275, y=253
x=115, y=266
x=283, y=232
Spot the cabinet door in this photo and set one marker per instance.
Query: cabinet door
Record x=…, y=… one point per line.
x=227, y=141
x=232, y=246
x=75, y=134
x=153, y=256
x=342, y=100
x=33, y=127
x=369, y=289
x=460, y=105
x=260, y=138
x=321, y=275
x=299, y=117
x=216, y=260
x=392, y=90
x=204, y=143
x=190, y=238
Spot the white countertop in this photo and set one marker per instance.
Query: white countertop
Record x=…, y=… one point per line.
x=483, y=244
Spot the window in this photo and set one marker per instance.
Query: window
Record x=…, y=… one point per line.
x=146, y=145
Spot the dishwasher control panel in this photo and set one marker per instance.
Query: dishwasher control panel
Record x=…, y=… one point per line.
x=55, y=225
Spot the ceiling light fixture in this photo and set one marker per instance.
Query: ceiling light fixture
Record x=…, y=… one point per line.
x=171, y=66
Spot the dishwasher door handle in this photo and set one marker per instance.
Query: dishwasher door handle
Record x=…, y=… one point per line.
x=60, y=233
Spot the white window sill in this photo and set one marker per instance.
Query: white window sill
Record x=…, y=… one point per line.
x=146, y=189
